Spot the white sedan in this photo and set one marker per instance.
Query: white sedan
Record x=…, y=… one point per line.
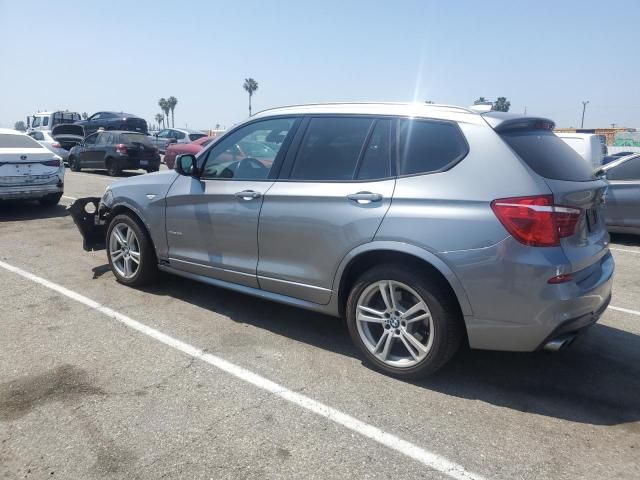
x=29, y=171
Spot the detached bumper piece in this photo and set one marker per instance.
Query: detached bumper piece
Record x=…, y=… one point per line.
x=91, y=221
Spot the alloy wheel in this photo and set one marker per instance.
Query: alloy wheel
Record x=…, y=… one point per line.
x=124, y=250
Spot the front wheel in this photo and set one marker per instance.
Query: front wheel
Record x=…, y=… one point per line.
x=130, y=252
x=113, y=169
x=405, y=323
x=74, y=164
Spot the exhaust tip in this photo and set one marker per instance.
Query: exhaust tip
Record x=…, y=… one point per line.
x=559, y=343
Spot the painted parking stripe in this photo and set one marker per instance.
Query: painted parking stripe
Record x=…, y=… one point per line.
x=624, y=250
x=66, y=197
x=625, y=310
x=429, y=459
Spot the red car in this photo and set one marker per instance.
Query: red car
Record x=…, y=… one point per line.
x=175, y=149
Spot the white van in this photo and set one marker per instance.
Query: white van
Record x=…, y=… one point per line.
x=47, y=120
x=588, y=145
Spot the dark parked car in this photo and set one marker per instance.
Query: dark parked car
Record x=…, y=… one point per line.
x=615, y=156
x=114, y=121
x=115, y=151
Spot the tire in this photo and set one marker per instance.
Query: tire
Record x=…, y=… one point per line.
x=74, y=164
x=50, y=200
x=147, y=266
x=113, y=169
x=440, y=335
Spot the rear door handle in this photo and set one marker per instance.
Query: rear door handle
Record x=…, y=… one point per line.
x=364, y=197
x=248, y=194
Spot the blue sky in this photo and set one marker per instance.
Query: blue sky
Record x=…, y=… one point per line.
x=546, y=56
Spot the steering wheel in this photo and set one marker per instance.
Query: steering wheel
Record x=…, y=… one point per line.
x=245, y=162
x=251, y=168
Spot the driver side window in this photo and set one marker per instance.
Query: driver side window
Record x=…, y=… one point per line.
x=248, y=153
x=91, y=139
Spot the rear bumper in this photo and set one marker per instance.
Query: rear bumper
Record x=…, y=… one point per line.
x=26, y=192
x=127, y=163
x=92, y=226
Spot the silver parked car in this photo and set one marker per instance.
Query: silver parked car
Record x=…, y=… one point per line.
x=167, y=136
x=60, y=140
x=622, y=209
x=425, y=226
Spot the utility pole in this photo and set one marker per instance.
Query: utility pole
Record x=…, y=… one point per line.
x=613, y=125
x=525, y=109
x=584, y=107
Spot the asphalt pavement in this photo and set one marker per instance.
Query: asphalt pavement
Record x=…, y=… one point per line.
x=184, y=380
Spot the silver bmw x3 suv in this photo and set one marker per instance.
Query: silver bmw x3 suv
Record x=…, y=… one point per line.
x=424, y=226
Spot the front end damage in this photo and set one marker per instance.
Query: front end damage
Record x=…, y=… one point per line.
x=91, y=217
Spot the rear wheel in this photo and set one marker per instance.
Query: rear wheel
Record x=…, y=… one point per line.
x=406, y=324
x=130, y=252
x=113, y=168
x=50, y=200
x=74, y=164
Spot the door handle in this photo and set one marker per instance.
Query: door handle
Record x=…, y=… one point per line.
x=248, y=194
x=364, y=198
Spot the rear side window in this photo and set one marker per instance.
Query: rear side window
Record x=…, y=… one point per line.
x=629, y=170
x=17, y=141
x=330, y=148
x=548, y=155
x=428, y=146
x=104, y=139
x=196, y=136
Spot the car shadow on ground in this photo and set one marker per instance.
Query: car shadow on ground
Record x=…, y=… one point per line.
x=13, y=211
x=625, y=239
x=123, y=174
x=595, y=381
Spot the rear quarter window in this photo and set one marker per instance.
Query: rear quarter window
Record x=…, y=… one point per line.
x=548, y=155
x=429, y=146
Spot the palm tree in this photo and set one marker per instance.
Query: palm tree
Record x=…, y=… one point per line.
x=250, y=85
x=171, y=103
x=160, y=118
x=164, y=106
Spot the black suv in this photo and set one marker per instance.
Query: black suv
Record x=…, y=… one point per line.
x=114, y=121
x=115, y=151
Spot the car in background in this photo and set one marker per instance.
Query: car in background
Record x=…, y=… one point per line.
x=175, y=135
x=390, y=215
x=60, y=140
x=115, y=151
x=615, y=156
x=175, y=149
x=46, y=121
x=622, y=206
x=29, y=171
x=114, y=121
x=588, y=145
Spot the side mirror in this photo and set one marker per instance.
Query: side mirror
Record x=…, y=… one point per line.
x=186, y=165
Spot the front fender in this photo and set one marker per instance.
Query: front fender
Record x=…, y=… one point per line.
x=410, y=249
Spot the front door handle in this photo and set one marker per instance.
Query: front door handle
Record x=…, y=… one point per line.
x=248, y=194
x=364, y=197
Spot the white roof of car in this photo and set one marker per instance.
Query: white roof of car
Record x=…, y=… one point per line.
x=429, y=110
x=10, y=131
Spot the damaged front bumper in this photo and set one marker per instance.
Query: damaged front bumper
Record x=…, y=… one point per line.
x=91, y=221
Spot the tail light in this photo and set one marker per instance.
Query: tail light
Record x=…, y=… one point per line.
x=51, y=163
x=122, y=148
x=56, y=145
x=536, y=221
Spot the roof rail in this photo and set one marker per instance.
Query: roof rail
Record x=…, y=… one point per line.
x=438, y=105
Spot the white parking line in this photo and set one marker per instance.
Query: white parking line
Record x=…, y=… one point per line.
x=624, y=250
x=73, y=199
x=430, y=459
x=625, y=310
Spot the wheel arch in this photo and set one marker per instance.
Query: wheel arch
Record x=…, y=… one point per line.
x=376, y=253
x=134, y=213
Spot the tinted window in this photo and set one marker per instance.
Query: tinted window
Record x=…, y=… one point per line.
x=227, y=159
x=629, y=170
x=135, y=138
x=330, y=149
x=164, y=133
x=37, y=136
x=429, y=146
x=17, y=141
x=548, y=155
x=36, y=122
x=195, y=136
x=95, y=116
x=376, y=162
x=90, y=140
x=45, y=121
x=104, y=139
x=178, y=135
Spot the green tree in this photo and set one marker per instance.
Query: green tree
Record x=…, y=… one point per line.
x=480, y=100
x=85, y=115
x=160, y=119
x=20, y=126
x=164, y=106
x=250, y=85
x=171, y=103
x=501, y=104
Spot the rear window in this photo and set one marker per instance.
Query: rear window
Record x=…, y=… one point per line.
x=196, y=136
x=548, y=155
x=17, y=141
x=429, y=146
x=135, y=138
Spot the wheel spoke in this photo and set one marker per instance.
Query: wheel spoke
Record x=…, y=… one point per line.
x=127, y=267
x=129, y=235
x=413, y=341
x=416, y=308
x=385, y=296
x=392, y=294
x=115, y=256
x=135, y=256
x=409, y=349
x=118, y=234
x=418, y=318
x=387, y=347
